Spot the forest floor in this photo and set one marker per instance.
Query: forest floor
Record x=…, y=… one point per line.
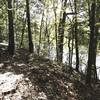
x=48, y=77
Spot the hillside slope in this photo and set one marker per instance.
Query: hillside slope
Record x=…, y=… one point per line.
x=48, y=77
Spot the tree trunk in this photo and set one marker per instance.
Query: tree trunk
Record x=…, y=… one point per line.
x=69, y=48
x=39, y=48
x=47, y=34
x=22, y=35
x=11, y=44
x=91, y=68
x=71, y=45
x=29, y=27
x=0, y=35
x=55, y=14
x=23, y=31
x=60, y=38
x=76, y=37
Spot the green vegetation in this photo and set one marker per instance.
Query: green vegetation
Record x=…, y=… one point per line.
x=51, y=29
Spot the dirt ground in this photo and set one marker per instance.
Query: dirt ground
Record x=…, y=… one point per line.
x=48, y=77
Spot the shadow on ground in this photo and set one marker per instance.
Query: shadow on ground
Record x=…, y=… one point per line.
x=47, y=76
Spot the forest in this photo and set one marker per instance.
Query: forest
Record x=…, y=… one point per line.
x=49, y=50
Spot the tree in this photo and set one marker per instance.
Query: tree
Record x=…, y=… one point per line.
x=29, y=27
x=23, y=31
x=91, y=68
x=11, y=44
x=0, y=35
x=55, y=15
x=76, y=37
x=40, y=34
x=60, y=37
x=71, y=44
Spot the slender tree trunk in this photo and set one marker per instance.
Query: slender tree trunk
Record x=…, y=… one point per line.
x=97, y=19
x=23, y=31
x=48, y=44
x=48, y=37
x=91, y=68
x=69, y=47
x=56, y=29
x=39, y=48
x=15, y=16
x=76, y=37
x=0, y=35
x=60, y=39
x=35, y=38
x=95, y=52
x=11, y=44
x=29, y=27
x=72, y=46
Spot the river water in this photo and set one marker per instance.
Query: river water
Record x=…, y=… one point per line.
x=83, y=62
x=83, y=55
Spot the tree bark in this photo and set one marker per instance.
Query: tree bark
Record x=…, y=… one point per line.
x=76, y=37
x=0, y=35
x=91, y=68
x=39, y=48
x=23, y=31
x=56, y=33
x=61, y=38
x=11, y=44
x=60, y=35
x=29, y=27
